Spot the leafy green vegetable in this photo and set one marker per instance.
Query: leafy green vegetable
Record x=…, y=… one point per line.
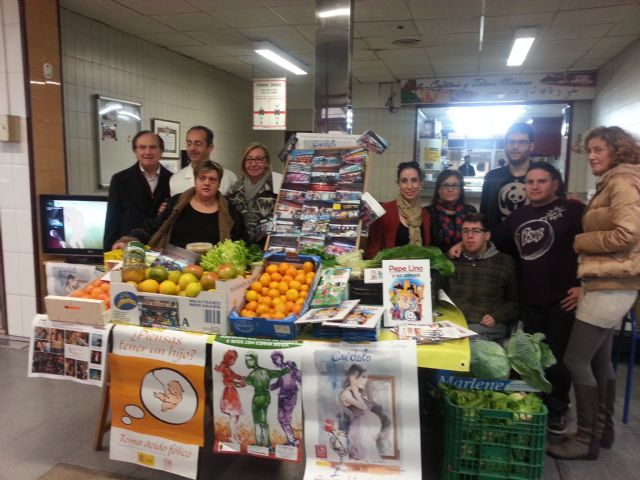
x=438, y=260
x=489, y=360
x=328, y=260
x=236, y=253
x=524, y=404
x=529, y=356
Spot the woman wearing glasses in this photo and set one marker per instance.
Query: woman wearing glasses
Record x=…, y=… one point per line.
x=253, y=194
x=406, y=222
x=448, y=209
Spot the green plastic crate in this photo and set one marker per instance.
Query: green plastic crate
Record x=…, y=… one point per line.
x=482, y=443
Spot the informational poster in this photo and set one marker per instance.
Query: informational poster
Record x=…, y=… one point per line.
x=157, y=398
x=68, y=351
x=64, y=278
x=361, y=411
x=270, y=104
x=319, y=203
x=406, y=292
x=257, y=409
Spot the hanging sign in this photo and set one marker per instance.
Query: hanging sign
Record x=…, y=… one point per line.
x=270, y=104
x=497, y=88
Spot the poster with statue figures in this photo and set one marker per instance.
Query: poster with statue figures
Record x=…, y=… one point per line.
x=257, y=408
x=361, y=411
x=157, y=398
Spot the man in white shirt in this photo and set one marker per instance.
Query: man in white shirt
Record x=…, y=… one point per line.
x=199, y=149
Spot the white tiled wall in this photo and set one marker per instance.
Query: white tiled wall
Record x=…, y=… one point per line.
x=618, y=98
x=98, y=59
x=15, y=203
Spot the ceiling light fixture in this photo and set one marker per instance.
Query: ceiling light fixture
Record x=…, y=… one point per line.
x=521, y=45
x=277, y=56
x=335, y=12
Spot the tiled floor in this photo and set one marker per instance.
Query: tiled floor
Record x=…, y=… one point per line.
x=44, y=422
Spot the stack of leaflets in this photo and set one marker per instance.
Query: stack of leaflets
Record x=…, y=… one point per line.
x=332, y=287
x=373, y=142
x=433, y=333
x=360, y=325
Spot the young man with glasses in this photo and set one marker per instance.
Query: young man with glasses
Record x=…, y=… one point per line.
x=540, y=235
x=503, y=188
x=484, y=285
x=199, y=149
x=137, y=192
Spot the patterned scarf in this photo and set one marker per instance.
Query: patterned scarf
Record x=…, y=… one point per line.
x=412, y=213
x=451, y=224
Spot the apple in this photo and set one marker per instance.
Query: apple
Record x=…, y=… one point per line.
x=227, y=271
x=208, y=280
x=197, y=270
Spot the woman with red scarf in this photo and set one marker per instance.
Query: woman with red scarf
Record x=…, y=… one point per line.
x=448, y=209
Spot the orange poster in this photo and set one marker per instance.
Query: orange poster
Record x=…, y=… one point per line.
x=157, y=398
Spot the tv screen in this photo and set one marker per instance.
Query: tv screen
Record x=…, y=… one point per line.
x=73, y=224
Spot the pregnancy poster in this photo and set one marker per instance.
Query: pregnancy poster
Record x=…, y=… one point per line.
x=257, y=404
x=157, y=398
x=361, y=411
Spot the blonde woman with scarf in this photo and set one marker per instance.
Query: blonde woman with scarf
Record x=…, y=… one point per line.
x=406, y=222
x=253, y=194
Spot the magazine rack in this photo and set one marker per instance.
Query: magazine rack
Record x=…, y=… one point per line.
x=318, y=205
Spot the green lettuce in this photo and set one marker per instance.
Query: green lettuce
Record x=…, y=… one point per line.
x=489, y=360
x=234, y=252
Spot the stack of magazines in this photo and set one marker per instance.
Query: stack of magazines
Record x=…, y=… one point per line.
x=349, y=321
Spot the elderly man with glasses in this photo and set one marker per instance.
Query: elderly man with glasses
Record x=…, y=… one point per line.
x=503, y=188
x=484, y=285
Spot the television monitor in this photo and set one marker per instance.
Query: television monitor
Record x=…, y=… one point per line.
x=73, y=225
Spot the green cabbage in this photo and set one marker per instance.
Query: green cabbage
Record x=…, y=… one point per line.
x=489, y=360
x=530, y=356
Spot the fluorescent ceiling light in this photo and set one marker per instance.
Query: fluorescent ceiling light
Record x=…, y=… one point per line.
x=521, y=45
x=336, y=12
x=124, y=113
x=280, y=58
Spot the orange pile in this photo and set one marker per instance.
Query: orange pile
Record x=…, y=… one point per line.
x=279, y=292
x=96, y=290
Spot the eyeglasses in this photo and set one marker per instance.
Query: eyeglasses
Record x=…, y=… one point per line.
x=472, y=231
x=519, y=143
x=450, y=186
x=254, y=159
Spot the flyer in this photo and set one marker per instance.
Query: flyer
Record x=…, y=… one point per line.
x=256, y=407
x=328, y=314
x=68, y=351
x=361, y=411
x=157, y=398
x=406, y=292
x=362, y=316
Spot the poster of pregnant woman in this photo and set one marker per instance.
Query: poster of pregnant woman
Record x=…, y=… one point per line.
x=361, y=411
x=256, y=407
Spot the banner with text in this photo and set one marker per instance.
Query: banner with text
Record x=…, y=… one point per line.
x=157, y=398
x=256, y=407
x=495, y=88
x=361, y=411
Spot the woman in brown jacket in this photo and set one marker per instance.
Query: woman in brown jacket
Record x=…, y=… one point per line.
x=609, y=267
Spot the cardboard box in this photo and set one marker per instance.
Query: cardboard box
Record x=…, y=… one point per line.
x=285, y=328
x=76, y=310
x=207, y=313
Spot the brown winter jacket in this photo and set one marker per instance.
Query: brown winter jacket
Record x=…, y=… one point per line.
x=609, y=248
